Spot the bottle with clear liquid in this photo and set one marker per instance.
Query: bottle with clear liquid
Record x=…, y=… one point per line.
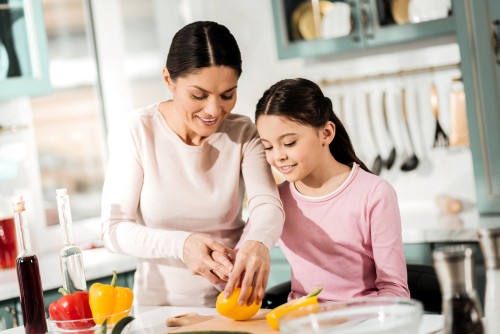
x=28, y=274
x=489, y=239
x=71, y=256
x=461, y=309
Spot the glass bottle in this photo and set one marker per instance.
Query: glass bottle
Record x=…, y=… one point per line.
x=28, y=274
x=461, y=309
x=71, y=256
x=489, y=239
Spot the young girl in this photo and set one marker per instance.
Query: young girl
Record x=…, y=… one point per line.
x=342, y=228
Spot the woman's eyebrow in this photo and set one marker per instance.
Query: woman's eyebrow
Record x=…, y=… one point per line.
x=206, y=91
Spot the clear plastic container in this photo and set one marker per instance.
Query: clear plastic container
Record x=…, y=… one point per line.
x=362, y=315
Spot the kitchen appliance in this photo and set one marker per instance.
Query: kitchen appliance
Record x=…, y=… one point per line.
x=455, y=268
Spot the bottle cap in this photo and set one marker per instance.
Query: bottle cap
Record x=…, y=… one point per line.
x=454, y=266
x=489, y=240
x=61, y=192
x=18, y=203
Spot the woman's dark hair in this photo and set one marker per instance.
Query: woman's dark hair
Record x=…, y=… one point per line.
x=202, y=44
x=301, y=100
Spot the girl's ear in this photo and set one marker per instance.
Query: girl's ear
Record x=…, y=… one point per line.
x=167, y=79
x=328, y=133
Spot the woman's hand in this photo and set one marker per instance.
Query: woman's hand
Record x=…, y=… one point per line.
x=197, y=253
x=225, y=261
x=251, y=270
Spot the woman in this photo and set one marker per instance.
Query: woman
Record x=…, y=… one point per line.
x=175, y=183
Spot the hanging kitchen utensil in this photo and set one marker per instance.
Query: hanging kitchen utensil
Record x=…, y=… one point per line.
x=459, y=134
x=440, y=137
x=378, y=162
x=412, y=161
x=389, y=162
x=425, y=165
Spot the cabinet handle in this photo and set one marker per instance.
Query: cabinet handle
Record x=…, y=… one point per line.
x=354, y=24
x=367, y=19
x=495, y=43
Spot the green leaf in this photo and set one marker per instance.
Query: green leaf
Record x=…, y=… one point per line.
x=120, y=325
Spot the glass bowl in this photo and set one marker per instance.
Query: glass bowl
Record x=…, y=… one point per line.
x=361, y=315
x=86, y=326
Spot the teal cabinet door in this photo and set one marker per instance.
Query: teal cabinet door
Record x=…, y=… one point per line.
x=478, y=34
x=23, y=49
x=8, y=314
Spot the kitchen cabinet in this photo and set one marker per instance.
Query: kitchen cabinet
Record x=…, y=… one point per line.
x=371, y=27
x=478, y=35
x=23, y=49
x=280, y=268
x=11, y=313
x=8, y=314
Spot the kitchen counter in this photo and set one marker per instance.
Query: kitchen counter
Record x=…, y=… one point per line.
x=152, y=320
x=98, y=263
x=420, y=224
x=423, y=223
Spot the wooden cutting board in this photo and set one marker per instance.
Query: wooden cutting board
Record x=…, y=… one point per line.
x=194, y=322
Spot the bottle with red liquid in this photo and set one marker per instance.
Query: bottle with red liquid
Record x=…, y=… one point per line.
x=28, y=274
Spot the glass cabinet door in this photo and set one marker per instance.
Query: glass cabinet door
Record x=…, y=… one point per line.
x=312, y=28
x=23, y=49
x=389, y=22
x=306, y=28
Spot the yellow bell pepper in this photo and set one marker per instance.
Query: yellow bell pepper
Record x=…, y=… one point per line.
x=230, y=308
x=110, y=302
x=274, y=316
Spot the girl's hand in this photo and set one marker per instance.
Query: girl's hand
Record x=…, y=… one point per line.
x=251, y=269
x=197, y=253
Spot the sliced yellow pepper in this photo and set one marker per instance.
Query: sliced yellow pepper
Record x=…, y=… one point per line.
x=110, y=302
x=274, y=316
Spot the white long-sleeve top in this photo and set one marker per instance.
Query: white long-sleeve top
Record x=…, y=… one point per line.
x=158, y=190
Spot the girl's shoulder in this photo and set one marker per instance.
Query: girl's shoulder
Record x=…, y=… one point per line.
x=371, y=183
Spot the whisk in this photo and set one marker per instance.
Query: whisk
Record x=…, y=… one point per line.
x=440, y=137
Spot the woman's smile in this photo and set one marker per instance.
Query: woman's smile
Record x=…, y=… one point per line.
x=207, y=121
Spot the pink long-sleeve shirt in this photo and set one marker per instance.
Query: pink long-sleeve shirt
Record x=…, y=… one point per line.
x=348, y=241
x=158, y=190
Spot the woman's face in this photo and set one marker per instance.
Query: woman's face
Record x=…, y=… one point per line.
x=295, y=150
x=202, y=100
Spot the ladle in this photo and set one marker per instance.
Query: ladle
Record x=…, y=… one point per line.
x=412, y=162
x=389, y=162
x=378, y=162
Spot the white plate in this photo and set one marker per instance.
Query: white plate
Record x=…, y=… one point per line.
x=4, y=61
x=337, y=21
x=428, y=10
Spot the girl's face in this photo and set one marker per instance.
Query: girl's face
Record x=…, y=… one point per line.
x=202, y=100
x=294, y=149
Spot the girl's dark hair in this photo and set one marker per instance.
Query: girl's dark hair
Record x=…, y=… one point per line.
x=301, y=100
x=202, y=44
